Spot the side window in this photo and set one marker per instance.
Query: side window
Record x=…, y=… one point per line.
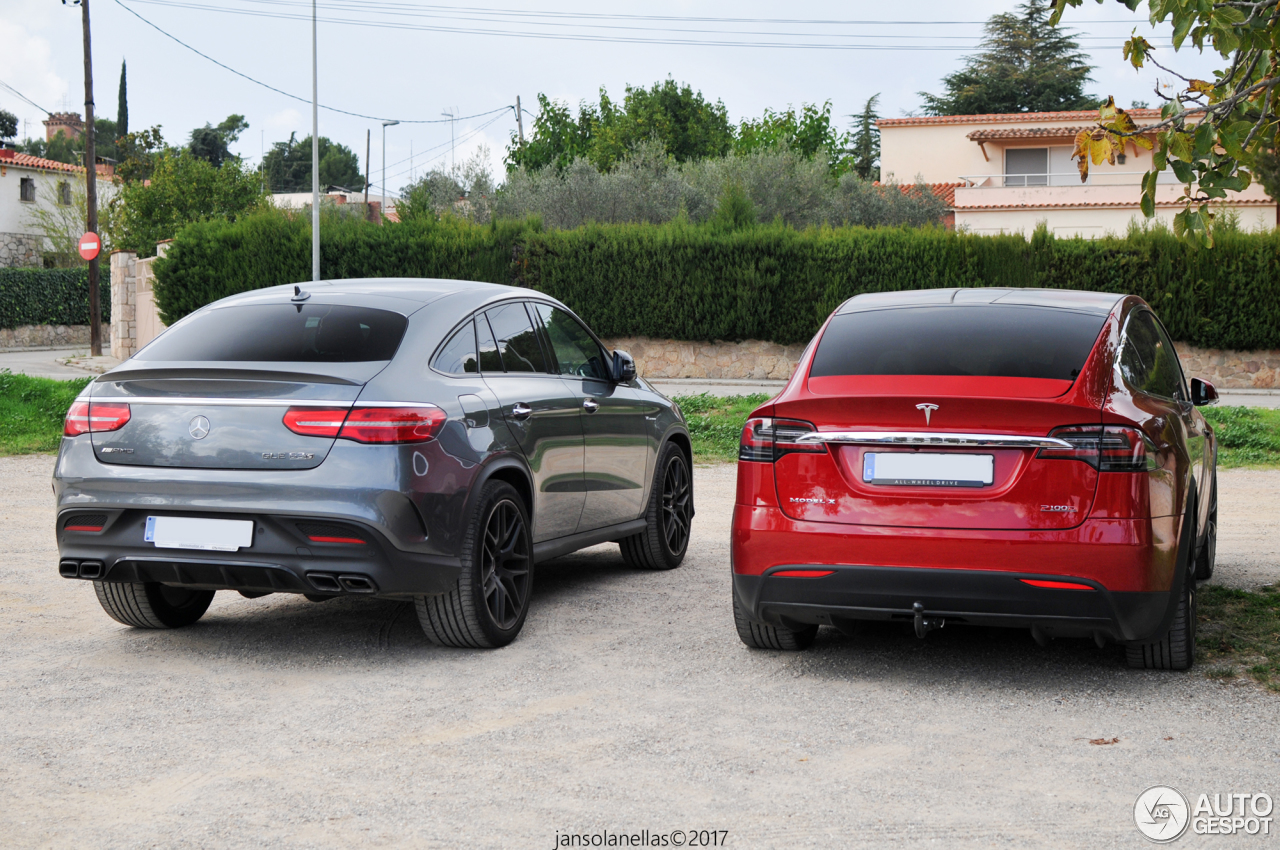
x=27, y=189
x=64, y=193
x=486, y=346
x=517, y=341
x=458, y=357
x=575, y=350
x=1148, y=361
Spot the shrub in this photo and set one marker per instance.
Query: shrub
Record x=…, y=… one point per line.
x=49, y=297
x=683, y=280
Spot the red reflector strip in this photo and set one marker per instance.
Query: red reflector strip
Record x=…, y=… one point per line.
x=802, y=573
x=83, y=528
x=1056, y=585
x=319, y=539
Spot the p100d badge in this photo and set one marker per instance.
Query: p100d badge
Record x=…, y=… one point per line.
x=288, y=455
x=1058, y=509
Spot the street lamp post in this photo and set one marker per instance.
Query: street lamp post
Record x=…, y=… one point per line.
x=385, y=125
x=91, y=184
x=315, y=152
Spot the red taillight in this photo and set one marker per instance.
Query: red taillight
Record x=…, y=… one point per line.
x=393, y=424
x=1113, y=448
x=323, y=538
x=764, y=440
x=1057, y=585
x=802, y=573
x=83, y=527
x=315, y=421
x=86, y=416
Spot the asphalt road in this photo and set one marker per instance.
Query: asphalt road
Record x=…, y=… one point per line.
x=627, y=704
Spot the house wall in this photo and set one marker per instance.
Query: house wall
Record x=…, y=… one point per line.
x=20, y=241
x=1090, y=223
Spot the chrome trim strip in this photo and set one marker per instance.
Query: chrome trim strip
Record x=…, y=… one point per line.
x=933, y=438
x=252, y=402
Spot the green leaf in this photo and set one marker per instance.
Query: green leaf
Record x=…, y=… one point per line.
x=1181, y=26
x=1180, y=145
x=1183, y=170
x=1203, y=138
x=1160, y=159
x=1148, y=204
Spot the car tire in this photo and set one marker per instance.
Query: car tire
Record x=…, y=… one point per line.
x=1208, y=554
x=668, y=517
x=763, y=636
x=487, y=607
x=151, y=605
x=1176, y=648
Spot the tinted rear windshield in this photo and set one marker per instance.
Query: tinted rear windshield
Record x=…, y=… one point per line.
x=274, y=333
x=987, y=340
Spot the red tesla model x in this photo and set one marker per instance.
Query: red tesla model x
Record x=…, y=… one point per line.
x=998, y=457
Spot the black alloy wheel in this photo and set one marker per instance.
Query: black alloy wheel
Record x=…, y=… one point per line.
x=505, y=561
x=677, y=504
x=668, y=516
x=488, y=605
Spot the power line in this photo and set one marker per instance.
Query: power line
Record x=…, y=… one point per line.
x=23, y=97
x=281, y=91
x=604, y=39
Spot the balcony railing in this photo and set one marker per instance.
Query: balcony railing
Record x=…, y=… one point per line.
x=1097, y=177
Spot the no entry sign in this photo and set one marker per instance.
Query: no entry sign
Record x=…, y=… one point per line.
x=90, y=245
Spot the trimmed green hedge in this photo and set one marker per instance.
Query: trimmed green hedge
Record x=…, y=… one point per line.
x=48, y=297
x=693, y=282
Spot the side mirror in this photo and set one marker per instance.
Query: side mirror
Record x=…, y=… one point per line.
x=624, y=367
x=1203, y=393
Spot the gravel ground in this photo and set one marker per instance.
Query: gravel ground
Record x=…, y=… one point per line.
x=627, y=704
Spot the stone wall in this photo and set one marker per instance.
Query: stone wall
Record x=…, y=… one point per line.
x=44, y=336
x=19, y=249
x=752, y=359
x=134, y=321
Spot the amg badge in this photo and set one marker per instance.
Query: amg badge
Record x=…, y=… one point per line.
x=288, y=455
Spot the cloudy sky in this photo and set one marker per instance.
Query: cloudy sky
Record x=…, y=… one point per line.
x=412, y=61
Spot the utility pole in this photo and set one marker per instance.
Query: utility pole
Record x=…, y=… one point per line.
x=520, y=120
x=385, y=124
x=91, y=187
x=315, y=151
x=368, y=138
x=453, y=162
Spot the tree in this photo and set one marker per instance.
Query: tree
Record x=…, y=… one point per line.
x=213, y=144
x=122, y=104
x=182, y=188
x=865, y=151
x=466, y=190
x=1217, y=135
x=808, y=133
x=686, y=125
x=1027, y=65
x=62, y=148
x=106, y=139
x=8, y=124
x=288, y=166
x=138, y=152
x=62, y=225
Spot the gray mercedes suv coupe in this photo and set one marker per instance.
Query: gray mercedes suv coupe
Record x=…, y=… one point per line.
x=429, y=440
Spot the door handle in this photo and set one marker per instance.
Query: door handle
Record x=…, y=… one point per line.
x=520, y=410
x=590, y=406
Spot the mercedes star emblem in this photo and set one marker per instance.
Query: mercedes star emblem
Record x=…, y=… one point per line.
x=199, y=428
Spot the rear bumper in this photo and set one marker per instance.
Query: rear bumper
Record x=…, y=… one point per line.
x=976, y=577
x=282, y=559
x=972, y=597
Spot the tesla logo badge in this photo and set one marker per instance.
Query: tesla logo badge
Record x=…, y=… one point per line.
x=928, y=410
x=199, y=428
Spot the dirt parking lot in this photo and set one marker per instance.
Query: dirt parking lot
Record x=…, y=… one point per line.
x=627, y=704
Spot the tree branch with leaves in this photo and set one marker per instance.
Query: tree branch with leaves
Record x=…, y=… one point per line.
x=1218, y=135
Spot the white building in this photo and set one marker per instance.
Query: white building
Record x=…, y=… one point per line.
x=27, y=182
x=1011, y=171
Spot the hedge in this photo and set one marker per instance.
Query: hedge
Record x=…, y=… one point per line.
x=48, y=297
x=775, y=283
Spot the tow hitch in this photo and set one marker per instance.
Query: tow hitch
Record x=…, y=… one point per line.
x=924, y=624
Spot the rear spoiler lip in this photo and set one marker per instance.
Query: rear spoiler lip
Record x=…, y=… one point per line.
x=199, y=401
x=933, y=438
x=233, y=374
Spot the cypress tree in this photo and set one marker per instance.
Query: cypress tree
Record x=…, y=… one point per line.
x=122, y=109
x=866, y=142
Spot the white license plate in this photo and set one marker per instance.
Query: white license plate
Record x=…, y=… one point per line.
x=211, y=535
x=928, y=469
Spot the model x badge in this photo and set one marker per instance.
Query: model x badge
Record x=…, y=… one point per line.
x=928, y=410
x=199, y=428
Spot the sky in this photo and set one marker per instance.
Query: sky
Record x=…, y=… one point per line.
x=410, y=60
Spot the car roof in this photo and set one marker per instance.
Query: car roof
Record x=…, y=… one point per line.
x=1097, y=303
x=403, y=294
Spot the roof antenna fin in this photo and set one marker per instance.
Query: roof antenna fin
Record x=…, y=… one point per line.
x=298, y=294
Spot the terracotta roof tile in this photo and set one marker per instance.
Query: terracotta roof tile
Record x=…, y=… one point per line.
x=1008, y=117
x=946, y=192
x=1250, y=202
x=26, y=160
x=997, y=133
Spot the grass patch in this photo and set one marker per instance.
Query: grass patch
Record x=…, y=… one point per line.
x=32, y=410
x=1239, y=630
x=1247, y=436
x=715, y=423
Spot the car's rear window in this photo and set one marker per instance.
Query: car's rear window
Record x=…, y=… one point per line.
x=278, y=333
x=986, y=340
